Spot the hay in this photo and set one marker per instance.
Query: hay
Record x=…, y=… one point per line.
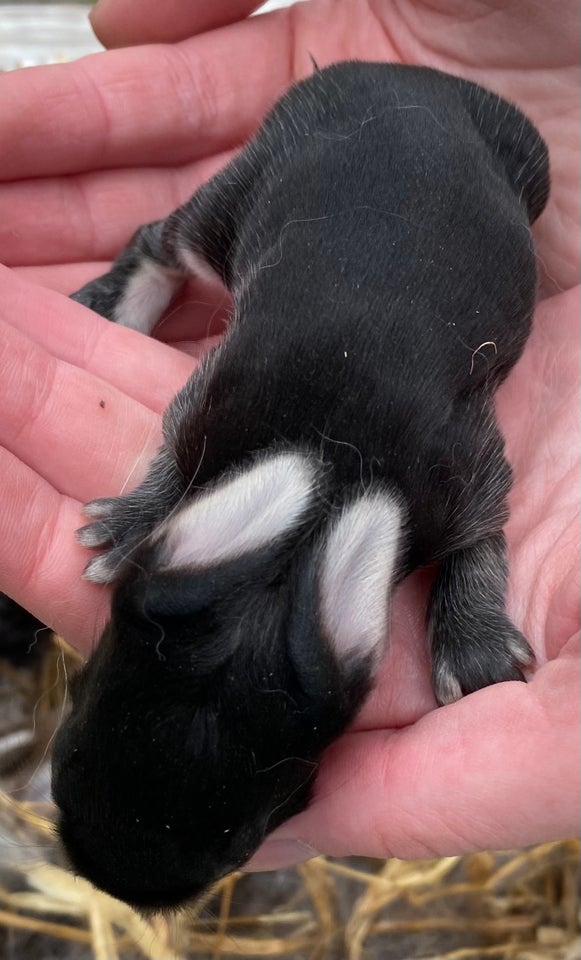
x=522, y=905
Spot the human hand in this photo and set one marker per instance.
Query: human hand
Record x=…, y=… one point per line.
x=496, y=769
x=128, y=135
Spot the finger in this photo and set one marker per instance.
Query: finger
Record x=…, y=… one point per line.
x=497, y=769
x=122, y=23
x=149, y=105
x=83, y=436
x=118, y=360
x=41, y=563
x=62, y=277
x=91, y=216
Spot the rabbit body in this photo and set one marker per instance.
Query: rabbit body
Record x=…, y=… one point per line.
x=375, y=238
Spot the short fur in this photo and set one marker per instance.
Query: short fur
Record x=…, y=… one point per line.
x=23, y=638
x=375, y=237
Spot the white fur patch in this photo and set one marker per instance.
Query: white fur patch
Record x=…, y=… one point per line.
x=195, y=264
x=148, y=293
x=357, y=573
x=243, y=514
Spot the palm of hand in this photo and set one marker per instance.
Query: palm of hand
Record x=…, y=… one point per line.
x=433, y=780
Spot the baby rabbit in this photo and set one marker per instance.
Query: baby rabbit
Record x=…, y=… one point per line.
x=375, y=238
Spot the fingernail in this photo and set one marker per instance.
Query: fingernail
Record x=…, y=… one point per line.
x=275, y=854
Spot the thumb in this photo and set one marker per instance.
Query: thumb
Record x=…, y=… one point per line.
x=498, y=769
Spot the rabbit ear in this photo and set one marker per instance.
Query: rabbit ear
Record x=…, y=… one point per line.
x=358, y=569
x=240, y=515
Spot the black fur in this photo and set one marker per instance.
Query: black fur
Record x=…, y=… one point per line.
x=375, y=237
x=23, y=638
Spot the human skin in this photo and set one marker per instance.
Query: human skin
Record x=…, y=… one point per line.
x=122, y=139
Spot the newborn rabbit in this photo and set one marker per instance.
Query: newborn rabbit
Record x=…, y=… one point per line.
x=375, y=238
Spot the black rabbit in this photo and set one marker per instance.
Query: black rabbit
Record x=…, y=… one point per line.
x=375, y=238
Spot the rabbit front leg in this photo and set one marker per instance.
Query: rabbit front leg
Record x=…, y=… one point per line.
x=120, y=524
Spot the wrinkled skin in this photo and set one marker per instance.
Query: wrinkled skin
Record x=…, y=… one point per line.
x=127, y=136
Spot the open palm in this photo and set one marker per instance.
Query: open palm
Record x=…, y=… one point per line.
x=123, y=138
